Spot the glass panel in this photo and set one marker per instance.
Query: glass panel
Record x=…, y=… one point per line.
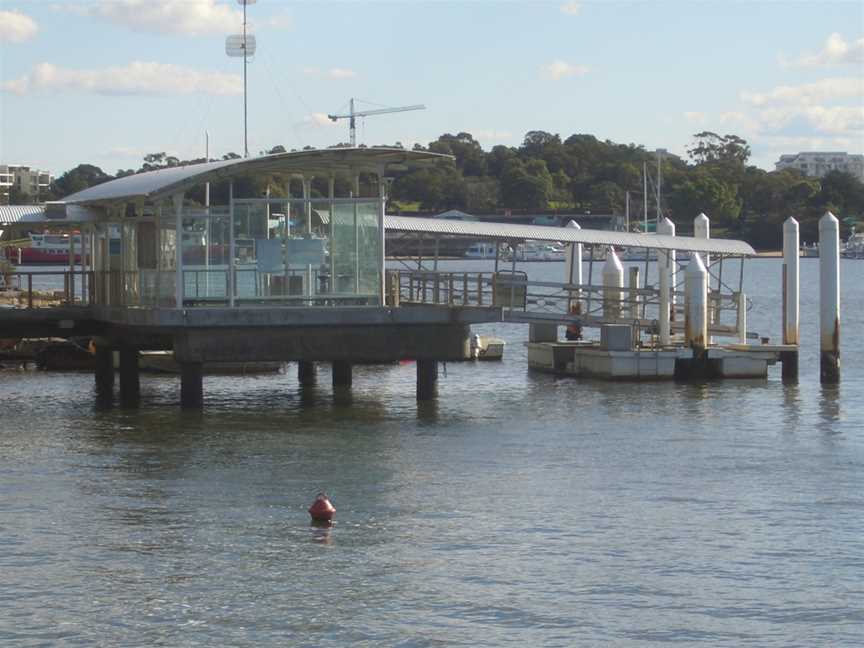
x=369, y=246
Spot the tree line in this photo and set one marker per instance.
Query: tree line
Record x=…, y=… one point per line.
x=581, y=174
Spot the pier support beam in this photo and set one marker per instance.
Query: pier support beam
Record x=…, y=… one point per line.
x=829, y=299
x=130, y=381
x=306, y=373
x=791, y=308
x=427, y=379
x=104, y=372
x=666, y=279
x=613, y=282
x=342, y=374
x=573, y=267
x=191, y=384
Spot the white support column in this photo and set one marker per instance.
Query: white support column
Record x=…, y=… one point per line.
x=666, y=274
x=702, y=230
x=178, y=249
x=613, y=282
x=696, y=303
x=742, y=318
x=829, y=298
x=633, y=295
x=382, y=239
x=331, y=194
x=573, y=268
x=791, y=281
x=72, y=266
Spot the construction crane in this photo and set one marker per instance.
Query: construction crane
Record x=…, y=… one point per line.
x=352, y=116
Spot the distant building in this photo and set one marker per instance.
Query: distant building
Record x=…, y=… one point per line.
x=33, y=182
x=816, y=164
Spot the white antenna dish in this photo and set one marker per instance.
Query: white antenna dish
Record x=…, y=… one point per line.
x=240, y=45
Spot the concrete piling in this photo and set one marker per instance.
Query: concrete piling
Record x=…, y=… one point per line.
x=191, y=384
x=613, y=282
x=427, y=379
x=791, y=292
x=666, y=267
x=696, y=305
x=130, y=382
x=104, y=371
x=306, y=373
x=342, y=374
x=573, y=265
x=829, y=299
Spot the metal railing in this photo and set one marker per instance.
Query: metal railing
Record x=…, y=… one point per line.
x=35, y=289
x=523, y=300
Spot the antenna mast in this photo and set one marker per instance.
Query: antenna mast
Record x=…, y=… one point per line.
x=237, y=46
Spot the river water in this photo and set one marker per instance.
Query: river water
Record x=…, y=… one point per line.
x=520, y=509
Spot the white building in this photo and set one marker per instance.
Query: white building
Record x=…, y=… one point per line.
x=33, y=182
x=816, y=164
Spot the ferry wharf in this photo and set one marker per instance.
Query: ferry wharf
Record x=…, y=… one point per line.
x=287, y=274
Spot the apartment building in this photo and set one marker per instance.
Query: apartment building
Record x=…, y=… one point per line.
x=816, y=164
x=34, y=182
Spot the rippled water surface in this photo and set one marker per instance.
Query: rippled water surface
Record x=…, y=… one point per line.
x=520, y=509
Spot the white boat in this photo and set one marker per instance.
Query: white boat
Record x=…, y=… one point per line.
x=854, y=247
x=538, y=251
x=810, y=250
x=485, y=347
x=481, y=250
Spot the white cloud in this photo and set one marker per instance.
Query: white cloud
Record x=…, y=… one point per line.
x=482, y=134
x=696, y=117
x=332, y=73
x=836, y=51
x=840, y=120
x=192, y=17
x=136, y=78
x=557, y=70
x=16, y=27
x=571, y=8
x=808, y=93
x=318, y=119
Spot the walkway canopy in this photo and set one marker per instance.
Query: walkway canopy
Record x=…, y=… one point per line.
x=155, y=185
x=518, y=233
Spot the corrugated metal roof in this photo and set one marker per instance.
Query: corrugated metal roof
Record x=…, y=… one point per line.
x=35, y=214
x=15, y=214
x=163, y=182
x=513, y=232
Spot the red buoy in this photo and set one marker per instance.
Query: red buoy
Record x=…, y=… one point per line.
x=322, y=510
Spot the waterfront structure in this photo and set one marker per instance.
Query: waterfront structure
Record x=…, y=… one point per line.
x=28, y=180
x=303, y=278
x=817, y=164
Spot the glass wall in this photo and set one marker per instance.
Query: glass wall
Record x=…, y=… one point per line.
x=259, y=252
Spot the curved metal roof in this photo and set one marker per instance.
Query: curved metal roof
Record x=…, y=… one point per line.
x=514, y=232
x=153, y=185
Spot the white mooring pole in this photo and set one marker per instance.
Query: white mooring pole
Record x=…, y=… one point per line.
x=791, y=292
x=666, y=273
x=702, y=230
x=696, y=304
x=573, y=268
x=613, y=282
x=829, y=298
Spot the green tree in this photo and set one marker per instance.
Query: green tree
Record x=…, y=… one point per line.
x=78, y=179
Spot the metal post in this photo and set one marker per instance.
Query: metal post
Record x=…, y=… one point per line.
x=829, y=298
x=191, y=385
x=356, y=237
x=696, y=305
x=232, y=279
x=178, y=249
x=634, y=293
x=331, y=194
x=613, y=282
x=427, y=379
x=666, y=283
x=71, y=266
x=382, y=234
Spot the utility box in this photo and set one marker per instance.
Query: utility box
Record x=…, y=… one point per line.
x=616, y=337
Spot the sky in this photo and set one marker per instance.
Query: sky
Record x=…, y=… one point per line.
x=106, y=82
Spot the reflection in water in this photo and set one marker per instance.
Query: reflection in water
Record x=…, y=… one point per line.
x=829, y=408
x=427, y=411
x=791, y=406
x=321, y=531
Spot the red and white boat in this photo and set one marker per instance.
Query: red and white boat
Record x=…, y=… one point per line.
x=45, y=249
